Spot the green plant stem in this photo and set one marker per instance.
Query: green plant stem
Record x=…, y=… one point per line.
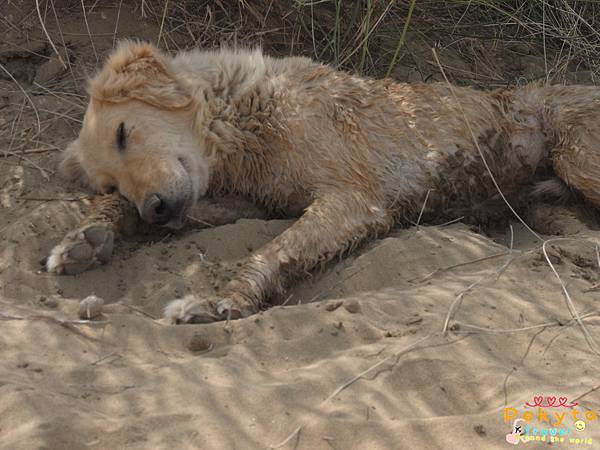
x=402, y=38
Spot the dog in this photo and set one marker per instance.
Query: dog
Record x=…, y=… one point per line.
x=352, y=156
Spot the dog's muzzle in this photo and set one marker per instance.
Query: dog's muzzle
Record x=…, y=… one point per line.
x=160, y=210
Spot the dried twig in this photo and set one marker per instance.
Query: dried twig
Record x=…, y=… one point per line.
x=44, y=172
x=30, y=151
x=162, y=23
x=454, y=266
x=55, y=199
x=39, y=125
x=423, y=208
x=117, y=23
x=458, y=300
x=588, y=337
x=555, y=323
x=87, y=27
x=105, y=357
x=288, y=439
x=68, y=324
x=203, y=222
x=356, y=378
x=589, y=391
x=138, y=310
x=43, y=25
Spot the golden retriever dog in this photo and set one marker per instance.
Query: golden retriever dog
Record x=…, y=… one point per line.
x=353, y=156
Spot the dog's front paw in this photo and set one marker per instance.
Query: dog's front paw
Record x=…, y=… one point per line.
x=82, y=249
x=234, y=306
x=192, y=309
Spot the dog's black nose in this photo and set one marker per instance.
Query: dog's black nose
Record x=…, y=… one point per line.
x=157, y=210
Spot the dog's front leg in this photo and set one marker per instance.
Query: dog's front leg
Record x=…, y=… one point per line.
x=327, y=228
x=91, y=243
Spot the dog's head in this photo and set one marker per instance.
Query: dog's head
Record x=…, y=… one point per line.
x=138, y=136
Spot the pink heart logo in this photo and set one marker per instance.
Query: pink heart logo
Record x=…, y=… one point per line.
x=512, y=438
x=562, y=401
x=551, y=400
x=537, y=400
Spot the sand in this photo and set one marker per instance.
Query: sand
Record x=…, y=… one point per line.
x=129, y=381
x=371, y=352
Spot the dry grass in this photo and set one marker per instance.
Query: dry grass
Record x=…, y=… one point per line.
x=479, y=42
x=371, y=37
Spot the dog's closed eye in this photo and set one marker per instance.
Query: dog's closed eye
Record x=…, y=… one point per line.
x=121, y=137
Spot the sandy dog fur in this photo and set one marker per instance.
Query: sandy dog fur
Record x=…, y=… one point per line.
x=353, y=156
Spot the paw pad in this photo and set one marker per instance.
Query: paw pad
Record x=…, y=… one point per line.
x=81, y=250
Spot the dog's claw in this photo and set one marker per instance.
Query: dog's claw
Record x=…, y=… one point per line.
x=81, y=250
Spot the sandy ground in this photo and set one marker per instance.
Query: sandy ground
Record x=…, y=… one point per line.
x=356, y=359
x=133, y=382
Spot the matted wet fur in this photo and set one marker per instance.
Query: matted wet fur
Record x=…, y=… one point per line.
x=353, y=155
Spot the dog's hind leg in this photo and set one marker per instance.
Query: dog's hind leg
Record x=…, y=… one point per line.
x=327, y=228
x=561, y=220
x=91, y=243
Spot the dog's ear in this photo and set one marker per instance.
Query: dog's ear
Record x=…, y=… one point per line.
x=139, y=71
x=70, y=166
